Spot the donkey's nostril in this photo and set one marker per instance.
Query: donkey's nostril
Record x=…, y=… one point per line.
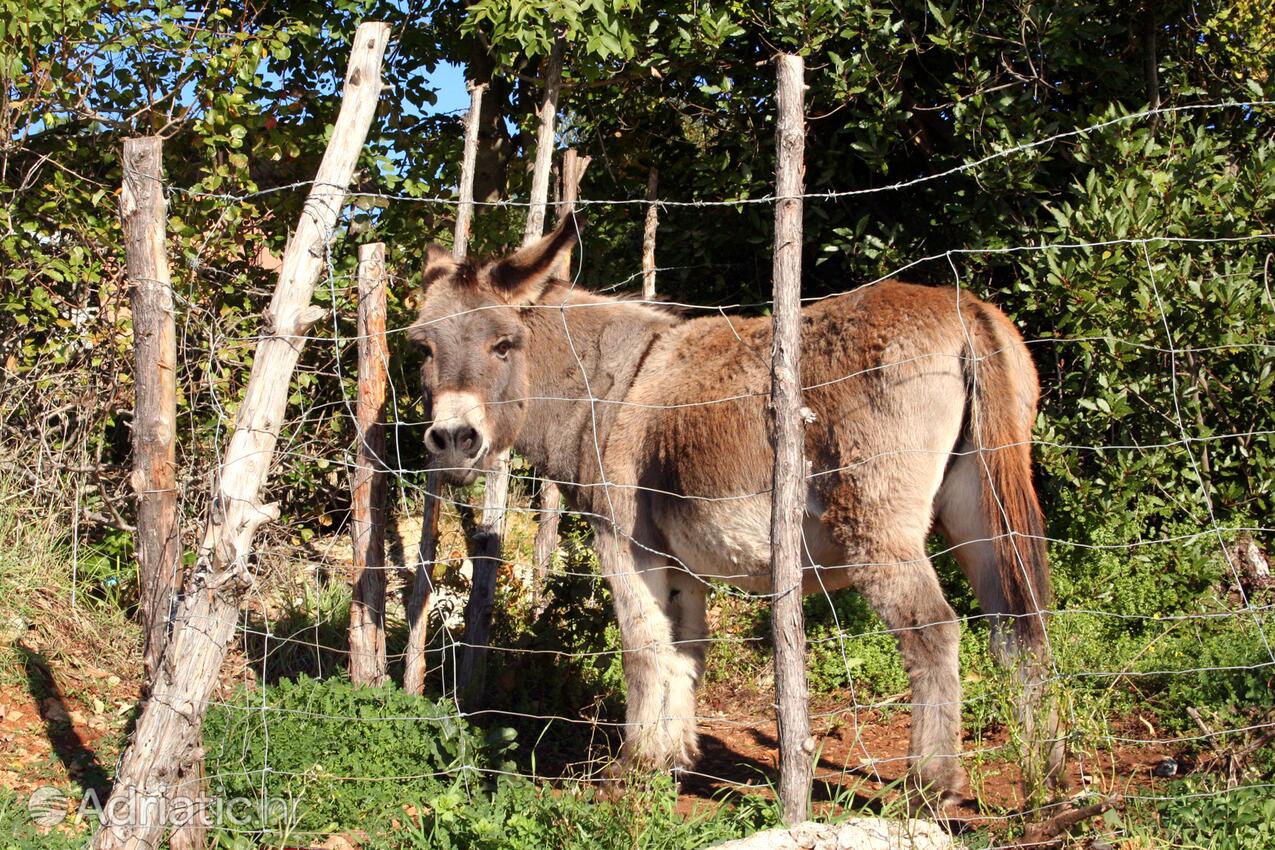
x=466, y=438
x=436, y=440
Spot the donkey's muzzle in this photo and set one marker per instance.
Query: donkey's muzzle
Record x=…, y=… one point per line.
x=454, y=438
x=456, y=448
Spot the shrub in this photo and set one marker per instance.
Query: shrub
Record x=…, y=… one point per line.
x=345, y=755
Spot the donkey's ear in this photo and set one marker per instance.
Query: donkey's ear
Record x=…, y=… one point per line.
x=524, y=275
x=438, y=265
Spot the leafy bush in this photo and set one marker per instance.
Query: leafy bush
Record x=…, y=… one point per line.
x=423, y=779
x=345, y=755
x=516, y=815
x=1234, y=819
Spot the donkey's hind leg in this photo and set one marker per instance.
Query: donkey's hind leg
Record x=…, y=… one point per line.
x=661, y=677
x=960, y=517
x=905, y=593
x=961, y=520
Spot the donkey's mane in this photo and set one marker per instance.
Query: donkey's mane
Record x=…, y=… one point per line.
x=560, y=292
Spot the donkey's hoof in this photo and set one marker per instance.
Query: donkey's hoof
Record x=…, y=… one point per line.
x=612, y=783
x=931, y=794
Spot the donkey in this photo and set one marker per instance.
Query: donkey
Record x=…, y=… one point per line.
x=921, y=402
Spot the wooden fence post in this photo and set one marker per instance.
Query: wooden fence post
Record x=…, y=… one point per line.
x=648, y=235
x=417, y=607
x=367, y=520
x=143, y=215
x=485, y=550
x=170, y=722
x=789, y=482
x=573, y=168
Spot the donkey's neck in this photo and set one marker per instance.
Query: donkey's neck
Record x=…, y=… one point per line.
x=584, y=353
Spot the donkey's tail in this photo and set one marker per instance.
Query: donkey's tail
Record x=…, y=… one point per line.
x=1002, y=407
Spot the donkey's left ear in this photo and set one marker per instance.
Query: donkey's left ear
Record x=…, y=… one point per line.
x=438, y=265
x=524, y=275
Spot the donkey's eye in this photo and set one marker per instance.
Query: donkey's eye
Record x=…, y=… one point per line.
x=427, y=351
x=502, y=348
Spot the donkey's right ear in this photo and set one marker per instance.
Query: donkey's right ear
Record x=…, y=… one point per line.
x=523, y=276
x=439, y=264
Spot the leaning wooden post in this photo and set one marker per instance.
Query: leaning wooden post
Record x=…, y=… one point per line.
x=648, y=235
x=414, y=661
x=485, y=547
x=573, y=168
x=143, y=214
x=205, y=622
x=367, y=521
x=788, y=492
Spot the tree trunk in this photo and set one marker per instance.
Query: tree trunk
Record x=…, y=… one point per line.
x=495, y=147
x=205, y=624
x=788, y=492
x=1151, y=59
x=367, y=521
x=486, y=547
x=143, y=216
x=415, y=662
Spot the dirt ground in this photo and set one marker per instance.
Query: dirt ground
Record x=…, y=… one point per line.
x=862, y=753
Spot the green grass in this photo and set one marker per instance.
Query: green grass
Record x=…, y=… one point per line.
x=18, y=832
x=40, y=576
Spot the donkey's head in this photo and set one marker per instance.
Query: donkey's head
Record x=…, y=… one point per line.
x=473, y=341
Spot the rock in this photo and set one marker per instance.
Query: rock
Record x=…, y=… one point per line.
x=12, y=629
x=853, y=834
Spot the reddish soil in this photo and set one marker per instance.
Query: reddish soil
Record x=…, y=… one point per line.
x=66, y=722
x=862, y=753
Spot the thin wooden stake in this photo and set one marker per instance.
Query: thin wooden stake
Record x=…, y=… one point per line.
x=539, y=199
x=205, y=624
x=648, y=235
x=465, y=210
x=573, y=168
x=367, y=521
x=417, y=607
x=788, y=492
x=485, y=547
x=143, y=214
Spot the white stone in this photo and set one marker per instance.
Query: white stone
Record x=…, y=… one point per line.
x=853, y=834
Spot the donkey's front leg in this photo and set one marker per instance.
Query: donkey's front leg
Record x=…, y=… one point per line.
x=660, y=674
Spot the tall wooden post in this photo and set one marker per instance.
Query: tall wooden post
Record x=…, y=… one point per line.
x=170, y=722
x=143, y=214
x=485, y=548
x=573, y=168
x=788, y=492
x=417, y=607
x=648, y=235
x=465, y=209
x=367, y=521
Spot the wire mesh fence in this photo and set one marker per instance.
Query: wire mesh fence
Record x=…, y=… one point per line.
x=1134, y=671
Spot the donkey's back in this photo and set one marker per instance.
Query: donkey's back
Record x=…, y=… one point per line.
x=891, y=377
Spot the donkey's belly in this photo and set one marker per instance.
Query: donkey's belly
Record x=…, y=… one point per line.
x=729, y=540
